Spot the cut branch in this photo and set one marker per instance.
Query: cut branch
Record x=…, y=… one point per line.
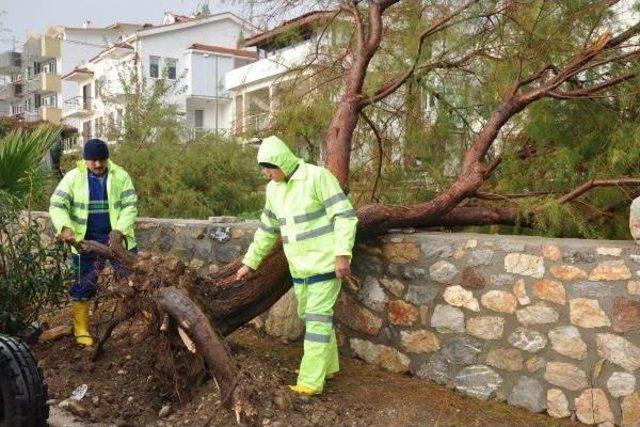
x=578, y=191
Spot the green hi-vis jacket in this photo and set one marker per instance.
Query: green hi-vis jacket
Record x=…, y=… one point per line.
x=309, y=210
x=69, y=205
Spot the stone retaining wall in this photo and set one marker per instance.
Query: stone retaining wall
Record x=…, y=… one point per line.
x=546, y=324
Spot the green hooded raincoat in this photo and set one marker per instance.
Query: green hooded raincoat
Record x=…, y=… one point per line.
x=317, y=223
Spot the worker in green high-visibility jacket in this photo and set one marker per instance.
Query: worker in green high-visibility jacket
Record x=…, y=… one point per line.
x=306, y=206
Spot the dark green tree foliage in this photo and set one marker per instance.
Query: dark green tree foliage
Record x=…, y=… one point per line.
x=461, y=74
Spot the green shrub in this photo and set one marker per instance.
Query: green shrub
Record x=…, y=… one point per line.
x=33, y=274
x=209, y=176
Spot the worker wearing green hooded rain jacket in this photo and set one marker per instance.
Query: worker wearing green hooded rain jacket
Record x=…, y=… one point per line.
x=317, y=223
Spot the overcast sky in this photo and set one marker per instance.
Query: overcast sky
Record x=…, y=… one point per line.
x=18, y=16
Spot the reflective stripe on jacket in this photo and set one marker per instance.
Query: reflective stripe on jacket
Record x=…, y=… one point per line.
x=69, y=204
x=309, y=210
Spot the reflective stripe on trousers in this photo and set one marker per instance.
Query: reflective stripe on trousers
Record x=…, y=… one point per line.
x=315, y=307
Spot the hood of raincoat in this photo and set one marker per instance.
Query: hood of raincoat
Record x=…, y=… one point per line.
x=273, y=150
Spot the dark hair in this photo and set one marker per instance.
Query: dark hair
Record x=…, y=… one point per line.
x=268, y=165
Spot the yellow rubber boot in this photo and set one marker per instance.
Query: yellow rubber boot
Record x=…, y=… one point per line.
x=304, y=390
x=81, y=323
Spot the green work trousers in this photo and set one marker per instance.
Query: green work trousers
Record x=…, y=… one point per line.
x=315, y=307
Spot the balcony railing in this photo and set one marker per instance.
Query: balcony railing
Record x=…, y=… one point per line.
x=10, y=63
x=77, y=106
x=10, y=91
x=256, y=122
x=49, y=113
x=44, y=83
x=70, y=144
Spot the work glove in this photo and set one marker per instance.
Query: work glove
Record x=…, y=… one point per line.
x=67, y=236
x=115, y=240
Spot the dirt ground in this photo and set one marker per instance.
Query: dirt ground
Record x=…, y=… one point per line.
x=124, y=389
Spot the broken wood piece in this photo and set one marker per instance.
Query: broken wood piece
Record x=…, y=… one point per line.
x=186, y=340
x=56, y=333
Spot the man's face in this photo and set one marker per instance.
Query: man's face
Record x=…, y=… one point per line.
x=97, y=167
x=274, y=174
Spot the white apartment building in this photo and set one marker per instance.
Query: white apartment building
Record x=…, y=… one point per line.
x=48, y=56
x=197, y=53
x=255, y=86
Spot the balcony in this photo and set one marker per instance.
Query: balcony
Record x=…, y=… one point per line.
x=10, y=91
x=78, y=107
x=49, y=47
x=44, y=83
x=254, y=123
x=51, y=114
x=71, y=145
x=10, y=63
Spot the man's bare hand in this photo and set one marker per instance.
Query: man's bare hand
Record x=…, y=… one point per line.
x=343, y=267
x=67, y=236
x=242, y=272
x=115, y=240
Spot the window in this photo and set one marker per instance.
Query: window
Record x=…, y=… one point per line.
x=154, y=66
x=97, y=89
x=171, y=68
x=98, y=126
x=199, y=118
x=86, y=130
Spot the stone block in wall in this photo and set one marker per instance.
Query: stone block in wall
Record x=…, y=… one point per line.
x=567, y=341
x=435, y=369
x=626, y=315
x=499, y=301
x=437, y=249
x=565, y=375
x=501, y=280
x=372, y=295
x=457, y=296
x=420, y=341
x=486, y=327
x=401, y=313
x=551, y=252
x=610, y=270
x=586, y=313
x=472, y=279
x=631, y=410
x=480, y=257
x=508, y=359
x=592, y=407
x=621, y=384
x=528, y=393
x=422, y=294
x=401, y=253
x=549, y=290
x=282, y=320
x=447, y=319
x=527, y=339
x=477, y=381
x=367, y=265
x=634, y=218
x=618, y=350
x=524, y=264
x=461, y=350
x=355, y=316
x=396, y=287
x=383, y=356
x=557, y=403
x=537, y=314
x=597, y=290
x=568, y=272
x=443, y=272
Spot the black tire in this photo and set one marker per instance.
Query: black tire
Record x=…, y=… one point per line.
x=23, y=392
